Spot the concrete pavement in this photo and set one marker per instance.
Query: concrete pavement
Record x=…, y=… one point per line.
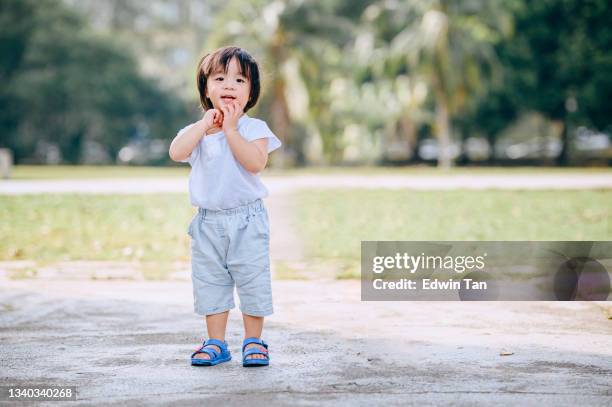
x=128, y=343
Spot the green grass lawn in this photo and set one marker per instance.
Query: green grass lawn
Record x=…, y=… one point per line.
x=33, y=172
x=335, y=222
x=152, y=228
x=94, y=227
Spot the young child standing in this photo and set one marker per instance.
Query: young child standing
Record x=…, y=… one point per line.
x=230, y=234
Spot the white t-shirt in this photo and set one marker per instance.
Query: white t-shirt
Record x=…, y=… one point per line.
x=217, y=180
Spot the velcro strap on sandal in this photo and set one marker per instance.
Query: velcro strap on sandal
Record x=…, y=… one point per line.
x=258, y=341
x=212, y=352
x=215, y=342
x=255, y=351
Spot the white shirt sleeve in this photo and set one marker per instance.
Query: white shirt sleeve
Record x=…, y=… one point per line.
x=258, y=129
x=196, y=150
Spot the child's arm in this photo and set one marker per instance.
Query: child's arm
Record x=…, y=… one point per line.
x=252, y=155
x=184, y=143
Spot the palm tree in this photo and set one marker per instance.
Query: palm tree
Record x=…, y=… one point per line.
x=450, y=45
x=282, y=31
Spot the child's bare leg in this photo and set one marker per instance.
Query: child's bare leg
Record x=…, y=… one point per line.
x=252, y=329
x=215, y=325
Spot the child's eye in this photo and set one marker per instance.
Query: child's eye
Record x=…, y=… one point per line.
x=219, y=78
x=240, y=80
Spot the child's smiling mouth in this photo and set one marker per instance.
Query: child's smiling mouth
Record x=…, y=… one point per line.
x=228, y=98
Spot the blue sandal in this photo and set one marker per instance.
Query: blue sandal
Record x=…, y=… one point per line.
x=248, y=362
x=215, y=357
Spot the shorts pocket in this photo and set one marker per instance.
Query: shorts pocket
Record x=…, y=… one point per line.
x=191, y=224
x=263, y=225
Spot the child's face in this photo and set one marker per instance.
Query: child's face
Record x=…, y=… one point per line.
x=231, y=87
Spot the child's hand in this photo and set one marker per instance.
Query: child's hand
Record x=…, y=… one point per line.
x=212, y=118
x=231, y=114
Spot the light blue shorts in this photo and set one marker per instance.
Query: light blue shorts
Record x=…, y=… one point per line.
x=231, y=246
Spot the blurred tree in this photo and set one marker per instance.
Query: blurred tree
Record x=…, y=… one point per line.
x=166, y=36
x=310, y=34
x=557, y=63
x=450, y=45
x=17, y=31
x=65, y=85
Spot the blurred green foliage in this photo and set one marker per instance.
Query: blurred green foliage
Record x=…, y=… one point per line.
x=63, y=83
x=343, y=80
x=557, y=62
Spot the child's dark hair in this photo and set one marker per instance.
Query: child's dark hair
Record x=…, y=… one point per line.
x=219, y=60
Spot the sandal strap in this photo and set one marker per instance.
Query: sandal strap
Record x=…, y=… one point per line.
x=258, y=341
x=221, y=344
x=255, y=351
x=212, y=352
x=209, y=351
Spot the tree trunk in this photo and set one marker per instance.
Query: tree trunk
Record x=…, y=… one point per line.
x=408, y=133
x=279, y=110
x=443, y=132
x=282, y=124
x=563, y=159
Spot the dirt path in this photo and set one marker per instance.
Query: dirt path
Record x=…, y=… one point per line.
x=285, y=239
x=126, y=342
x=277, y=184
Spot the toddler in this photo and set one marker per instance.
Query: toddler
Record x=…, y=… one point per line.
x=230, y=234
